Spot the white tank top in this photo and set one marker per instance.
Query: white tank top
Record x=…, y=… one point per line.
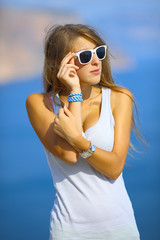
x=88, y=205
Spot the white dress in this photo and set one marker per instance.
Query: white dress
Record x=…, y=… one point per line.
x=88, y=205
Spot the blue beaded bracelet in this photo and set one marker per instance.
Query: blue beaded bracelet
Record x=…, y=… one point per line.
x=75, y=99
x=75, y=94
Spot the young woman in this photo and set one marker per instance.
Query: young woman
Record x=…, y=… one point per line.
x=84, y=121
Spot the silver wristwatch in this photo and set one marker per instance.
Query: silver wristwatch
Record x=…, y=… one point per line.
x=89, y=152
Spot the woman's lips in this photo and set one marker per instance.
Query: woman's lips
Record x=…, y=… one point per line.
x=96, y=71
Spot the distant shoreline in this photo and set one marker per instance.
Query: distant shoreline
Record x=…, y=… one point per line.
x=21, y=42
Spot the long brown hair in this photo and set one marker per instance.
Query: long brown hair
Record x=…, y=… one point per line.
x=59, y=41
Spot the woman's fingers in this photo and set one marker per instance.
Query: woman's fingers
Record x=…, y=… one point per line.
x=68, y=66
x=61, y=111
x=64, y=111
x=64, y=61
x=66, y=72
x=65, y=68
x=67, y=112
x=72, y=65
x=67, y=58
x=71, y=61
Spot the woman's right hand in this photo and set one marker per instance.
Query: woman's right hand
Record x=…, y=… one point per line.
x=67, y=73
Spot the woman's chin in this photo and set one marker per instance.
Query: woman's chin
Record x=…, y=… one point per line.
x=92, y=80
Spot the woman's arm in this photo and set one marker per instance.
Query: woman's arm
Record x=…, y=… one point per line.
x=111, y=163
x=42, y=117
x=67, y=74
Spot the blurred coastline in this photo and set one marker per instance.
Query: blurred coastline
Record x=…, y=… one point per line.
x=21, y=40
x=22, y=37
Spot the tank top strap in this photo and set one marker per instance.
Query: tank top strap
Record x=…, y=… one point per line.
x=51, y=98
x=54, y=105
x=107, y=104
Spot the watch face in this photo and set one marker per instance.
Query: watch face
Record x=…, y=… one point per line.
x=92, y=148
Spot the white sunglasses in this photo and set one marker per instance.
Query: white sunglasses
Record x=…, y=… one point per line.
x=85, y=56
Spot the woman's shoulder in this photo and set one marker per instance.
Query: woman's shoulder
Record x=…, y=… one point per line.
x=119, y=96
x=38, y=101
x=36, y=96
x=120, y=92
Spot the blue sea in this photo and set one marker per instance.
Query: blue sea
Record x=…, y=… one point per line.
x=26, y=188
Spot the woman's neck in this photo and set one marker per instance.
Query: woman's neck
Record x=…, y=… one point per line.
x=86, y=91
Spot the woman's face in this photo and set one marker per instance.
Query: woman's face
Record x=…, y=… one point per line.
x=89, y=73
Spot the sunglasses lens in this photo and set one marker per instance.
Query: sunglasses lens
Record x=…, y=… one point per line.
x=85, y=56
x=101, y=52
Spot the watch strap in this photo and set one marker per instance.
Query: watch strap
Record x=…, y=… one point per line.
x=88, y=152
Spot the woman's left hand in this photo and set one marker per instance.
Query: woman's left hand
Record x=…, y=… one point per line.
x=65, y=125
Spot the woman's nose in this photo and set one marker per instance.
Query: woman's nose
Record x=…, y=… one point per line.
x=95, y=59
